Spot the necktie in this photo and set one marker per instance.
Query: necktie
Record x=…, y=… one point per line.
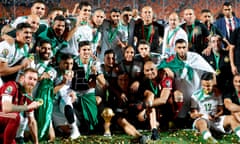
x=230, y=27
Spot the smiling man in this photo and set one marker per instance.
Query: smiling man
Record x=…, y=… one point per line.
x=187, y=67
x=54, y=34
x=87, y=74
x=16, y=98
x=12, y=53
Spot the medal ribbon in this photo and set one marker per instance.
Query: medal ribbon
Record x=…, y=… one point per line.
x=95, y=37
x=150, y=33
x=170, y=35
x=238, y=94
x=112, y=34
x=155, y=89
x=80, y=64
x=217, y=59
x=190, y=34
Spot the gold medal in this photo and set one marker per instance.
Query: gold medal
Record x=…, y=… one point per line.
x=189, y=45
x=40, y=101
x=218, y=71
x=31, y=57
x=226, y=59
x=206, y=92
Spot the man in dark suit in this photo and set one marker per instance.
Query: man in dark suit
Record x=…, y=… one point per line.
x=229, y=22
x=127, y=25
x=220, y=62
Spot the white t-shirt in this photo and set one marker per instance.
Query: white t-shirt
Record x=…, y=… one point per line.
x=83, y=33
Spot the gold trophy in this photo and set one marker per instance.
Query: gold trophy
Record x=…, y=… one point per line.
x=107, y=115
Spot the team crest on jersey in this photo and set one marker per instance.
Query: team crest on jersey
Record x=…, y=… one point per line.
x=168, y=84
x=5, y=52
x=8, y=90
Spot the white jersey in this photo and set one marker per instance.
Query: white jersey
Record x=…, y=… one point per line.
x=188, y=87
x=83, y=33
x=206, y=103
x=11, y=54
x=18, y=20
x=169, y=39
x=23, y=19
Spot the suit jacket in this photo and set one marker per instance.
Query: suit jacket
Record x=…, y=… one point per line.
x=225, y=76
x=221, y=25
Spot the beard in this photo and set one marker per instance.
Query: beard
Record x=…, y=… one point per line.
x=28, y=89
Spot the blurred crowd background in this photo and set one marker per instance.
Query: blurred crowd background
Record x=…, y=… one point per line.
x=11, y=9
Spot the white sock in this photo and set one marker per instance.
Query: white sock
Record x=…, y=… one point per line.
x=22, y=126
x=237, y=131
x=206, y=134
x=74, y=126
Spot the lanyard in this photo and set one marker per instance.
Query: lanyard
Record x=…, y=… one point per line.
x=155, y=89
x=238, y=95
x=190, y=34
x=150, y=33
x=80, y=64
x=18, y=50
x=95, y=37
x=112, y=34
x=217, y=58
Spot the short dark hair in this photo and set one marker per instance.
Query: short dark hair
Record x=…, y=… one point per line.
x=21, y=26
x=43, y=41
x=83, y=43
x=126, y=9
x=55, y=9
x=98, y=9
x=84, y=3
x=116, y=10
x=109, y=51
x=59, y=18
x=39, y=1
x=227, y=3
x=143, y=41
x=180, y=41
x=66, y=57
x=207, y=76
x=205, y=11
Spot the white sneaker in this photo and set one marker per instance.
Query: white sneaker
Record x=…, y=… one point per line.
x=75, y=134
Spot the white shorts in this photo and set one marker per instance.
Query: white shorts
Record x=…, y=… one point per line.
x=215, y=125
